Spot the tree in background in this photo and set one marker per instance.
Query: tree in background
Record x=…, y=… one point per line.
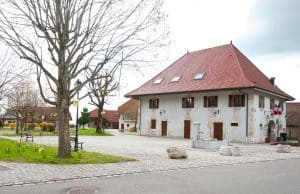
x=10, y=73
x=24, y=100
x=85, y=117
x=66, y=38
x=100, y=89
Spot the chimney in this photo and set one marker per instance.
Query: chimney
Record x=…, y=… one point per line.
x=272, y=80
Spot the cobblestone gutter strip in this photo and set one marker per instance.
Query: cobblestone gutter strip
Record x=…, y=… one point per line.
x=132, y=172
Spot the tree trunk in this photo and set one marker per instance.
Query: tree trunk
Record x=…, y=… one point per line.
x=17, y=125
x=56, y=127
x=25, y=124
x=64, y=145
x=62, y=121
x=99, y=121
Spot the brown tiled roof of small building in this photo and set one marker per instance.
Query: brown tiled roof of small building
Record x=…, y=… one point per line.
x=130, y=108
x=109, y=115
x=224, y=67
x=293, y=114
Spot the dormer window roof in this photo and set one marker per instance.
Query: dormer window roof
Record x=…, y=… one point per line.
x=176, y=79
x=158, y=81
x=199, y=76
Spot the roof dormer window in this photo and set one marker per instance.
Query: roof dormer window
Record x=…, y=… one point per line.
x=158, y=81
x=199, y=76
x=175, y=79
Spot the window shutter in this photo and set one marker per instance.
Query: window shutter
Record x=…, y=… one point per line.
x=183, y=102
x=230, y=101
x=192, y=102
x=205, y=101
x=243, y=100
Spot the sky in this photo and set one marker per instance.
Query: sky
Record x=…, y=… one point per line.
x=266, y=31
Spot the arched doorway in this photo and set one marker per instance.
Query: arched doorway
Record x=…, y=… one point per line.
x=271, y=127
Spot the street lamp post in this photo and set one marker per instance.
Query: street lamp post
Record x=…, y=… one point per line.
x=77, y=84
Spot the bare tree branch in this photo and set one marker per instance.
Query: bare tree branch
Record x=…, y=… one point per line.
x=99, y=91
x=69, y=39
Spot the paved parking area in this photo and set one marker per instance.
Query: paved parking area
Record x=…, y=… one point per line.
x=149, y=151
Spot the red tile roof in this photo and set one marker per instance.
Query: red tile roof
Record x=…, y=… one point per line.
x=130, y=108
x=293, y=114
x=109, y=115
x=225, y=67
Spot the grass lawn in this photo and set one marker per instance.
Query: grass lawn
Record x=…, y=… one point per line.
x=15, y=151
x=34, y=133
x=87, y=132
x=92, y=132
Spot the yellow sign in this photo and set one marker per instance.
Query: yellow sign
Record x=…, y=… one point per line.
x=75, y=102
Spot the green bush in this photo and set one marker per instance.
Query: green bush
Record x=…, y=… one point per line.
x=12, y=126
x=43, y=126
x=30, y=126
x=51, y=127
x=47, y=127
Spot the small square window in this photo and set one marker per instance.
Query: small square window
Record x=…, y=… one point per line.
x=188, y=102
x=281, y=105
x=261, y=103
x=234, y=124
x=154, y=103
x=158, y=81
x=210, y=101
x=272, y=104
x=199, y=76
x=236, y=100
x=176, y=79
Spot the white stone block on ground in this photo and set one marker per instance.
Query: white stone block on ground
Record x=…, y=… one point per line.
x=176, y=153
x=231, y=150
x=283, y=148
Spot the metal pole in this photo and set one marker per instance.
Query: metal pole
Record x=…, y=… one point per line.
x=76, y=130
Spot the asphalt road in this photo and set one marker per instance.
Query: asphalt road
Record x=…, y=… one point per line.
x=282, y=176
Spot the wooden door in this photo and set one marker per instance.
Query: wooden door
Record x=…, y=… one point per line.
x=164, y=128
x=187, y=129
x=218, y=131
x=122, y=126
x=153, y=124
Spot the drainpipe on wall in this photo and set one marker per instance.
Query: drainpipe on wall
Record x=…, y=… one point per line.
x=140, y=116
x=247, y=114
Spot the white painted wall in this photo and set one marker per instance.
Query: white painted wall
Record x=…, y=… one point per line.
x=262, y=117
x=170, y=110
x=128, y=123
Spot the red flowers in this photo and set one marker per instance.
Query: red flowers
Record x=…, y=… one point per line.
x=277, y=110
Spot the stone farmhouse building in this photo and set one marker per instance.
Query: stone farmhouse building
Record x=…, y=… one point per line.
x=128, y=115
x=218, y=87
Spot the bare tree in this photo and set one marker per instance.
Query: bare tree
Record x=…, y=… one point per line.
x=9, y=72
x=100, y=89
x=65, y=38
x=24, y=101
